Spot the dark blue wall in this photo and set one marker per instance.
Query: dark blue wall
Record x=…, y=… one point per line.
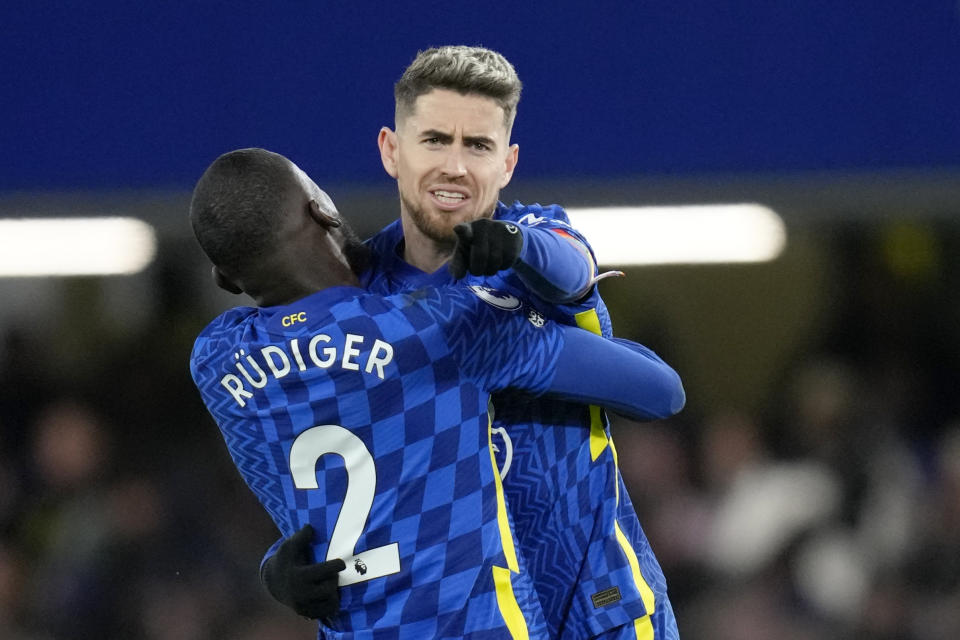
x=124, y=95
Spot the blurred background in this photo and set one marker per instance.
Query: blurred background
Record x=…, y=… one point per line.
x=810, y=489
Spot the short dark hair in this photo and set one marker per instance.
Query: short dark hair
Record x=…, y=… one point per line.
x=237, y=206
x=462, y=69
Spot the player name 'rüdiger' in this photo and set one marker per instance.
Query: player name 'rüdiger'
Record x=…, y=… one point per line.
x=256, y=369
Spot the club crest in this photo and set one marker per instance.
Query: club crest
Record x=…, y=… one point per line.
x=495, y=298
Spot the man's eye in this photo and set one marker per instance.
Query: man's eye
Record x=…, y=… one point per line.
x=480, y=146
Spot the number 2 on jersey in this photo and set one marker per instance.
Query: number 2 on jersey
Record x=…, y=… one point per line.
x=309, y=447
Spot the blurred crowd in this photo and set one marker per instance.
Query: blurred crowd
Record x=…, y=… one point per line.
x=832, y=512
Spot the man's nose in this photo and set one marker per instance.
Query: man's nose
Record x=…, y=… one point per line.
x=453, y=164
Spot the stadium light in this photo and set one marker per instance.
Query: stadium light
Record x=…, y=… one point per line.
x=689, y=234
x=31, y=247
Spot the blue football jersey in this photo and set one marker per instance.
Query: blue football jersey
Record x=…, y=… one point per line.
x=591, y=563
x=367, y=416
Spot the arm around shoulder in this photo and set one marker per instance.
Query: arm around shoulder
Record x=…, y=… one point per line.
x=620, y=375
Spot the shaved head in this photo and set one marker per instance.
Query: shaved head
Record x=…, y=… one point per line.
x=239, y=204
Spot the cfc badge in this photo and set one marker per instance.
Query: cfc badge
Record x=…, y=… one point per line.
x=536, y=318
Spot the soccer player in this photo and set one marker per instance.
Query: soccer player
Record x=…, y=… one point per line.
x=450, y=153
x=366, y=417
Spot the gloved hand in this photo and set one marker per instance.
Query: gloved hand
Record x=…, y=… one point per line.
x=485, y=247
x=293, y=579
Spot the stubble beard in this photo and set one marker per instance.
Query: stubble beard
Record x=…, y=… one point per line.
x=437, y=228
x=442, y=235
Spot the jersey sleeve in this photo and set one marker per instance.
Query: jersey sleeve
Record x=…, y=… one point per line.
x=557, y=263
x=499, y=342
x=618, y=374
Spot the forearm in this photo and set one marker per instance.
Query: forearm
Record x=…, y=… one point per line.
x=554, y=265
x=620, y=375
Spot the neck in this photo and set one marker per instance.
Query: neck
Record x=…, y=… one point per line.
x=292, y=289
x=295, y=277
x=423, y=252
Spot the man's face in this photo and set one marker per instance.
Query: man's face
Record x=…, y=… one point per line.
x=450, y=156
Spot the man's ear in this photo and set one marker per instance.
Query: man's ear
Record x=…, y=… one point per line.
x=510, y=163
x=387, y=141
x=224, y=283
x=323, y=217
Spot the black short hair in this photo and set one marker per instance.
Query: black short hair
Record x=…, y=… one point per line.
x=237, y=206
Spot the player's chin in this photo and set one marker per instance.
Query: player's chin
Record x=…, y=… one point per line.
x=460, y=217
x=443, y=223
x=445, y=235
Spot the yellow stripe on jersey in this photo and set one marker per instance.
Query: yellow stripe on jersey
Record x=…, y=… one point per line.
x=506, y=534
x=598, y=435
x=590, y=321
x=509, y=607
x=646, y=593
x=643, y=627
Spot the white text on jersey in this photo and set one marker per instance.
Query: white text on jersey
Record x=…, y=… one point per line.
x=255, y=369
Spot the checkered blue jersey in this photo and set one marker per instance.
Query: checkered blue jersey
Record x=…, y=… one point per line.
x=592, y=565
x=366, y=416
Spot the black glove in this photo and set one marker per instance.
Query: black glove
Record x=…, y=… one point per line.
x=485, y=247
x=293, y=579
